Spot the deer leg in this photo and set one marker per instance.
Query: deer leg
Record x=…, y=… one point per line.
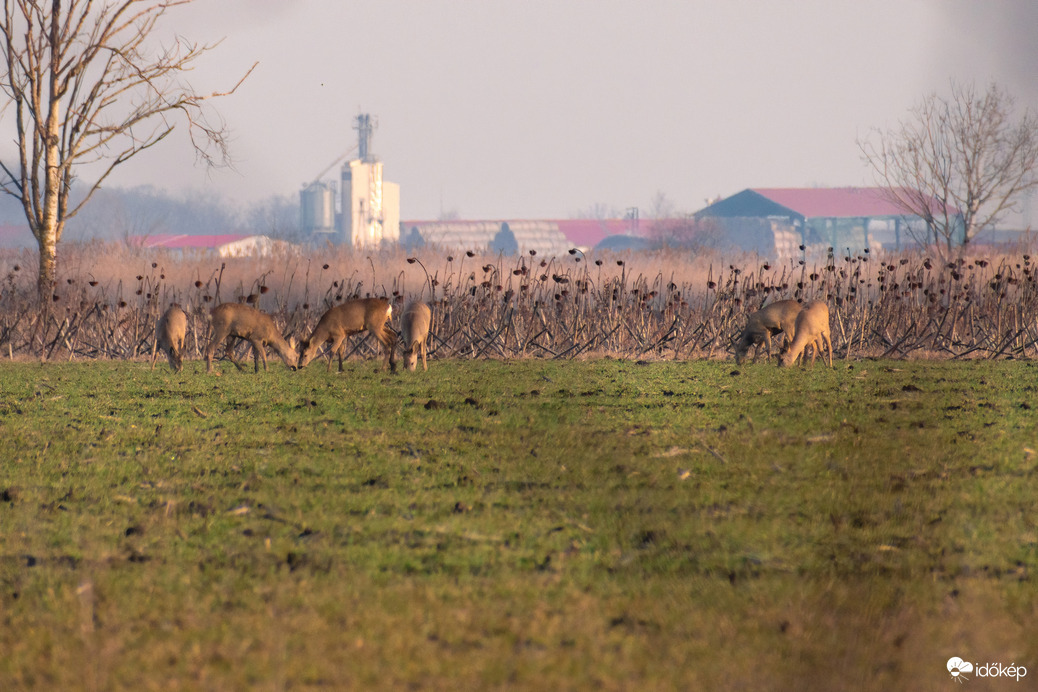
x=176, y=353
x=387, y=337
x=337, y=349
x=173, y=355
x=210, y=349
x=331, y=357
x=390, y=343
x=229, y=350
x=259, y=353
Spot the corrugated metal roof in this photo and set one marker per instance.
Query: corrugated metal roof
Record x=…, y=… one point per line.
x=550, y=236
x=747, y=204
x=807, y=203
x=541, y=236
x=797, y=202
x=833, y=202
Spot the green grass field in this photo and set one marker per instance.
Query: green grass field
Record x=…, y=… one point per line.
x=517, y=525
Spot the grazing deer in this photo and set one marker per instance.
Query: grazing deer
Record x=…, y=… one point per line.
x=169, y=337
x=812, y=329
x=414, y=334
x=235, y=320
x=778, y=317
x=352, y=317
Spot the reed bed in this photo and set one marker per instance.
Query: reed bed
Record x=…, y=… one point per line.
x=664, y=305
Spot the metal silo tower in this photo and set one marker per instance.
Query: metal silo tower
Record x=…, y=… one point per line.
x=369, y=210
x=364, y=213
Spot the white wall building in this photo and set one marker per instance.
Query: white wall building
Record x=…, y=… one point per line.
x=370, y=205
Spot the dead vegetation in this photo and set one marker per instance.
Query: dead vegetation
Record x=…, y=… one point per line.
x=662, y=305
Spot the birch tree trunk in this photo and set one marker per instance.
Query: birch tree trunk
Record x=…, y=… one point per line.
x=88, y=82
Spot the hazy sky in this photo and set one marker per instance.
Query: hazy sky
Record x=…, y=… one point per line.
x=542, y=109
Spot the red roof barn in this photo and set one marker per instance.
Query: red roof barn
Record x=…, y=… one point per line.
x=847, y=219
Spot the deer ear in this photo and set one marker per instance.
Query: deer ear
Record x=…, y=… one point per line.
x=292, y=342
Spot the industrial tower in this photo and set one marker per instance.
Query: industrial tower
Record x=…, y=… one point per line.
x=369, y=207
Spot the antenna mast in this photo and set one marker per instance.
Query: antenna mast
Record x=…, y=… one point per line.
x=365, y=128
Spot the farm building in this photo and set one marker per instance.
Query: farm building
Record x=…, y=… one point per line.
x=224, y=245
x=512, y=236
x=778, y=220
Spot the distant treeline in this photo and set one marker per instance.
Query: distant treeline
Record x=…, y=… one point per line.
x=116, y=213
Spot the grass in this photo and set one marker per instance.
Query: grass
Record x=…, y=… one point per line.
x=520, y=525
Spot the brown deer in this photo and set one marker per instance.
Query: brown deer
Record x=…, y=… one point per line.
x=352, y=317
x=780, y=316
x=414, y=334
x=235, y=320
x=812, y=329
x=169, y=337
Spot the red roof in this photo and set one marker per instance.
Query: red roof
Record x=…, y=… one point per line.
x=834, y=201
x=589, y=232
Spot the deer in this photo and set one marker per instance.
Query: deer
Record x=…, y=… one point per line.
x=169, y=337
x=777, y=317
x=236, y=320
x=414, y=334
x=342, y=321
x=812, y=329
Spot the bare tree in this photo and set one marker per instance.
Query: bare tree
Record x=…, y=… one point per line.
x=959, y=162
x=661, y=207
x=276, y=216
x=87, y=85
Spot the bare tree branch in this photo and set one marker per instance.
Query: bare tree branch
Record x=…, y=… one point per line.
x=959, y=162
x=87, y=83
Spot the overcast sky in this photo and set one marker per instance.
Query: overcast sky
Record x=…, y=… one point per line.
x=543, y=109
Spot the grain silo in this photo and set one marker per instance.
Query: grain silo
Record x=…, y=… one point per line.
x=369, y=207
x=317, y=209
